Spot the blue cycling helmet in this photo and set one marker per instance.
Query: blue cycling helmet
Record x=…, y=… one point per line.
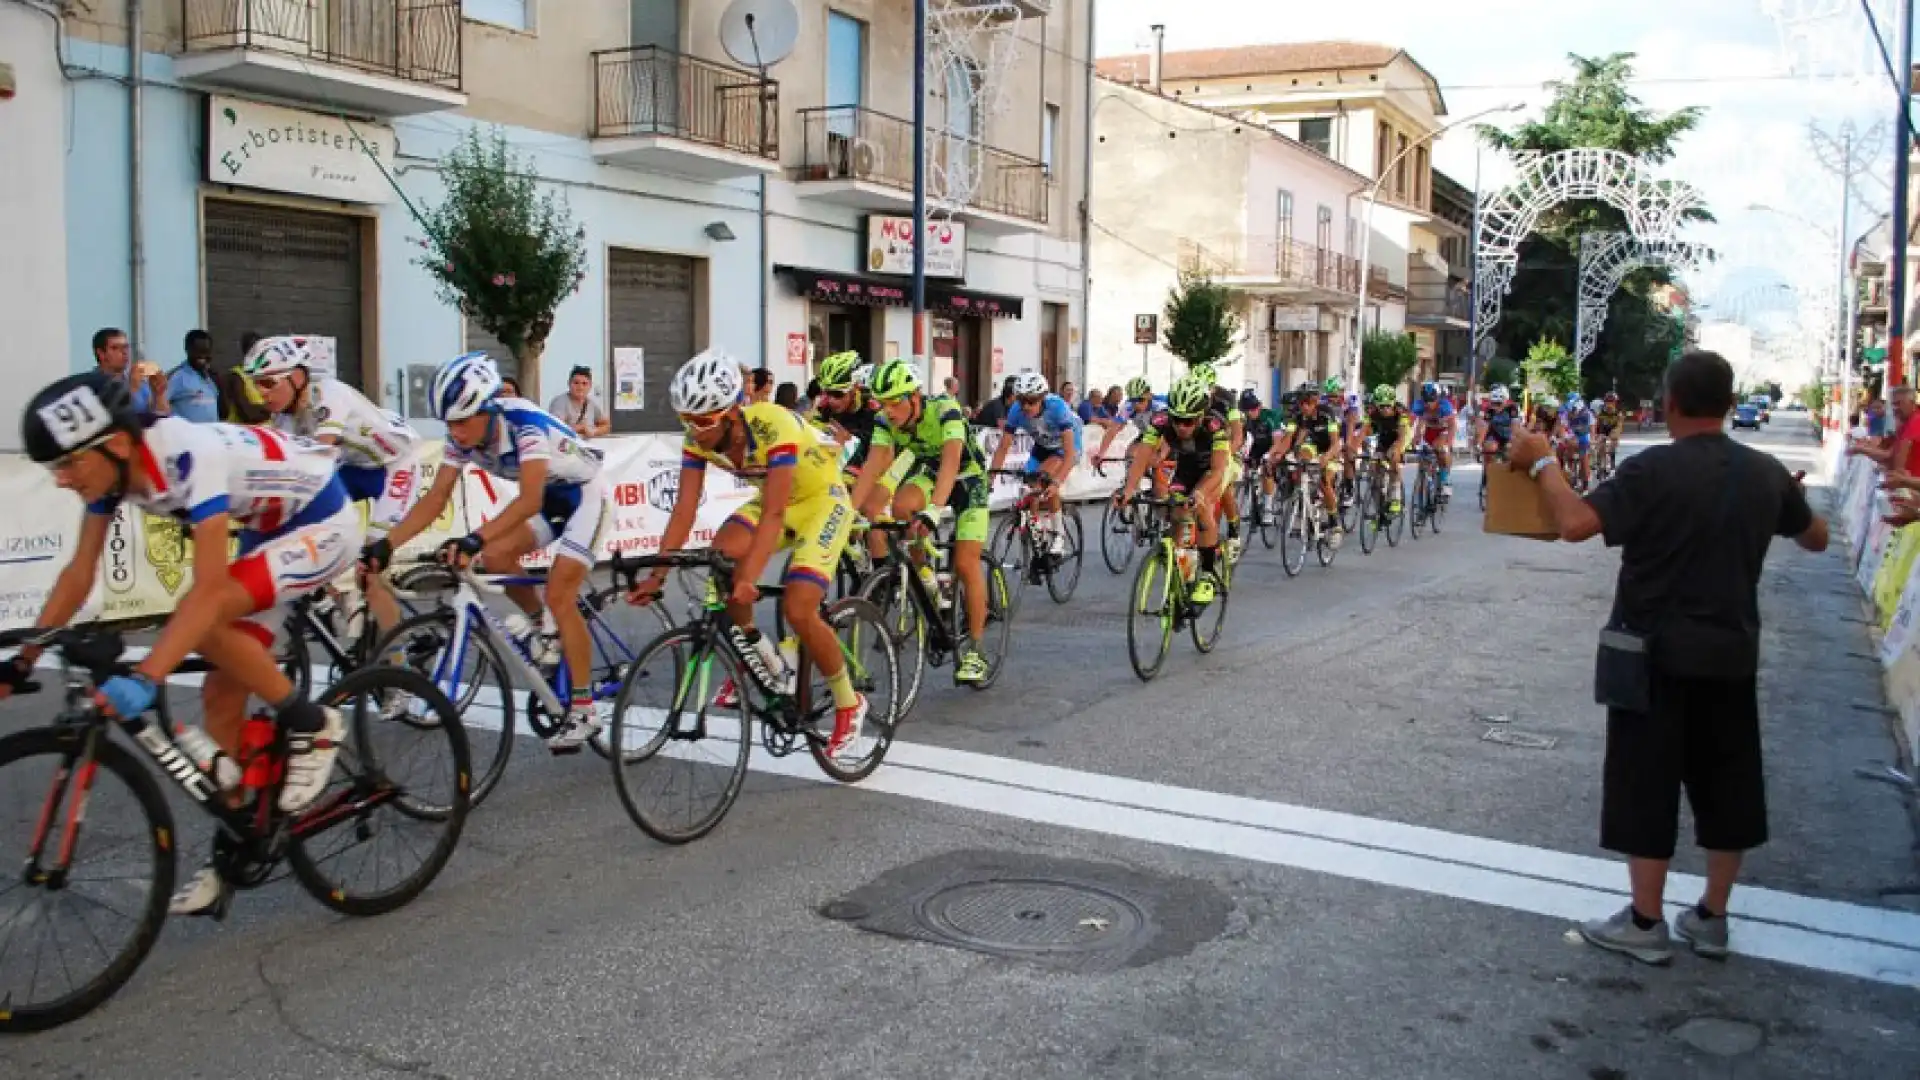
x=1430, y=391
x=463, y=386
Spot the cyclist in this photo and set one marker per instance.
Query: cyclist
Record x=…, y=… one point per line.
x=1262, y=425
x=1057, y=434
x=377, y=463
x=1194, y=436
x=1333, y=398
x=1135, y=412
x=560, y=505
x=1391, y=425
x=1437, y=421
x=1316, y=435
x=1608, y=421
x=1546, y=419
x=1497, y=426
x=799, y=503
x=1227, y=406
x=1580, y=432
x=847, y=412
x=949, y=474
x=298, y=532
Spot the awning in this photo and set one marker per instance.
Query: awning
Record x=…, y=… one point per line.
x=872, y=291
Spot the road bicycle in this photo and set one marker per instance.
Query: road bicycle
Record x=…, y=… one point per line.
x=1305, y=523
x=78, y=849
x=1162, y=593
x=341, y=624
x=923, y=604
x=1605, y=460
x=467, y=652
x=668, y=724
x=1259, y=511
x=1380, y=488
x=1428, y=504
x=1122, y=531
x=1039, y=546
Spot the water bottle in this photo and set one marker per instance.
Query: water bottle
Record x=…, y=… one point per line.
x=1188, y=558
x=207, y=755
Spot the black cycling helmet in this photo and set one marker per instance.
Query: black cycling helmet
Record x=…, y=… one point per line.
x=76, y=413
x=1249, y=399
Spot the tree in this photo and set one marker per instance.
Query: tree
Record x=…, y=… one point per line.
x=1596, y=108
x=1385, y=359
x=1499, y=371
x=1202, y=324
x=1549, y=367
x=500, y=250
x=1814, y=397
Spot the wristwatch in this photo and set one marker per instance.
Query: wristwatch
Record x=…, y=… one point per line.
x=1539, y=467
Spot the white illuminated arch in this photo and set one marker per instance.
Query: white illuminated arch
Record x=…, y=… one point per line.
x=1605, y=261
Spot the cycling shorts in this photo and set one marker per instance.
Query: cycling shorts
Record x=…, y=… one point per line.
x=967, y=500
x=388, y=492
x=815, y=530
x=573, y=515
x=1585, y=441
x=1434, y=436
x=1039, y=457
x=313, y=548
x=1499, y=438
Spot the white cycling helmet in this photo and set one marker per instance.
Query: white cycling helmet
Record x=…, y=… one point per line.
x=463, y=386
x=705, y=384
x=277, y=356
x=1498, y=395
x=1029, y=384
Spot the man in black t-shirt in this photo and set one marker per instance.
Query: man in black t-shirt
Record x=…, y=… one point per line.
x=1693, y=520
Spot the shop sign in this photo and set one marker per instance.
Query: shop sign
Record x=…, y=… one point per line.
x=890, y=247
x=301, y=153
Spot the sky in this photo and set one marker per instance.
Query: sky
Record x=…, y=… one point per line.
x=1761, y=88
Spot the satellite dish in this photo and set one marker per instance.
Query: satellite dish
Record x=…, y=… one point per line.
x=759, y=33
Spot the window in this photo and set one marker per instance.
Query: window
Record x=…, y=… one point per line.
x=1324, y=236
x=1318, y=134
x=1400, y=169
x=1049, y=130
x=512, y=14
x=1420, y=175
x=846, y=68
x=1353, y=236
x=1382, y=150
x=1283, y=220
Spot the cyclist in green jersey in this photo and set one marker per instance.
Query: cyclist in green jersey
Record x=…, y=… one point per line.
x=1225, y=404
x=949, y=473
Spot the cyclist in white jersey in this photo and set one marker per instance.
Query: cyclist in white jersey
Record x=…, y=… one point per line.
x=560, y=503
x=377, y=462
x=299, y=531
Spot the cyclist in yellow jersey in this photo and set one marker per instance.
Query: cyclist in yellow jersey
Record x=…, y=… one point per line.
x=800, y=504
x=1608, y=421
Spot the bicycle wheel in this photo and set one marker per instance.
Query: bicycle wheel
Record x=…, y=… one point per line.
x=119, y=875
x=482, y=693
x=1065, y=576
x=670, y=740
x=1439, y=505
x=1417, y=506
x=1210, y=620
x=376, y=773
x=1349, y=502
x=1267, y=521
x=1369, y=518
x=1483, y=489
x=999, y=628
x=1012, y=549
x=902, y=618
x=1116, y=539
x=1293, y=533
x=1150, y=615
x=866, y=647
x=615, y=672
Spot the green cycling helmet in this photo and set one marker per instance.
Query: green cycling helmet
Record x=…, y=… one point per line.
x=1331, y=388
x=1384, y=395
x=1189, y=397
x=1204, y=375
x=894, y=380
x=1138, y=387
x=836, y=371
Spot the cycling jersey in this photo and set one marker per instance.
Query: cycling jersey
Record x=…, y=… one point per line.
x=1500, y=422
x=1432, y=414
x=858, y=424
x=521, y=431
x=1208, y=435
x=1388, y=423
x=941, y=421
x=259, y=477
x=1141, y=418
x=1049, y=425
x=1320, y=429
x=1581, y=422
x=1262, y=425
x=369, y=436
x=1226, y=405
x=775, y=439
x=1607, y=418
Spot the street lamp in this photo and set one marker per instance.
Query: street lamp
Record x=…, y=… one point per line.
x=1366, y=230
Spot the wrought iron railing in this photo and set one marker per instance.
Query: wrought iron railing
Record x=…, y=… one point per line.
x=414, y=40
x=850, y=142
x=654, y=91
x=1382, y=287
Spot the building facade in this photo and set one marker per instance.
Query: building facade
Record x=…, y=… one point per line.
x=1183, y=188
x=286, y=148
x=1440, y=283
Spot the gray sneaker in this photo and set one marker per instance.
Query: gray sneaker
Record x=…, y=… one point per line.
x=1618, y=934
x=1708, y=936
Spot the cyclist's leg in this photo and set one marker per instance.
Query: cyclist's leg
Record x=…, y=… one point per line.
x=397, y=490
x=819, y=528
x=734, y=540
x=879, y=502
x=573, y=556
x=503, y=556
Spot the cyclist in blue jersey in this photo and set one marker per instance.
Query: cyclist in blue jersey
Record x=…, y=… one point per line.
x=1434, y=419
x=559, y=504
x=1498, y=420
x=1057, y=437
x=1579, y=420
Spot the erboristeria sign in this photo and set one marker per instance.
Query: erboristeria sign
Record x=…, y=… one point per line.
x=302, y=153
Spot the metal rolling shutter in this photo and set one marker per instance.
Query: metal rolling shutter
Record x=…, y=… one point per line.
x=649, y=306
x=271, y=270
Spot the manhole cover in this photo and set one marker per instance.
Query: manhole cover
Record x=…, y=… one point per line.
x=1721, y=1038
x=1032, y=916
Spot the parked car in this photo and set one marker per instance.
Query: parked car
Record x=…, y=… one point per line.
x=1747, y=415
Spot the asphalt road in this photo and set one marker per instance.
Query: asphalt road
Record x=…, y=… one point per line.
x=1310, y=858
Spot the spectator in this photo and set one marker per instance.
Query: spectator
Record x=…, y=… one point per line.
x=1102, y=410
x=579, y=408
x=243, y=403
x=994, y=412
x=1895, y=454
x=509, y=386
x=1694, y=518
x=760, y=385
x=951, y=387
x=144, y=381
x=1071, y=395
x=192, y=387
x=787, y=396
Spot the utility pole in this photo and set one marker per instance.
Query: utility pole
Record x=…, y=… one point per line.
x=1902, y=146
x=920, y=343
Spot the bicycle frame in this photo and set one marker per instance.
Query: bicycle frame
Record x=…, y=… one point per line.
x=471, y=616
x=940, y=639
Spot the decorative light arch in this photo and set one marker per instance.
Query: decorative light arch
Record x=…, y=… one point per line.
x=1606, y=258
x=1654, y=209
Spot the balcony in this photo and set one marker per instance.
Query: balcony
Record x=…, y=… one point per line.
x=1382, y=287
x=1281, y=269
x=1031, y=9
x=379, y=57
x=657, y=110
x=853, y=156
